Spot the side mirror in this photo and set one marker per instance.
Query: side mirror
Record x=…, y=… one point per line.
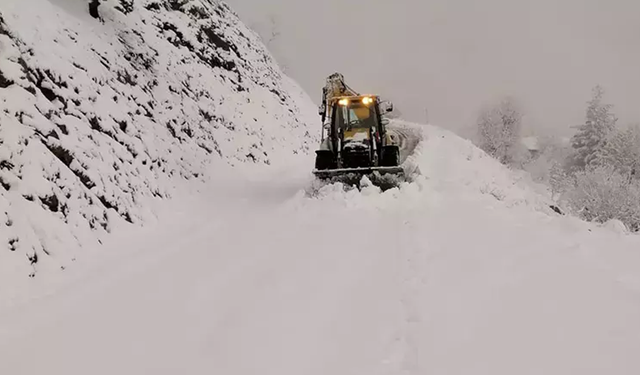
x=386, y=106
x=321, y=110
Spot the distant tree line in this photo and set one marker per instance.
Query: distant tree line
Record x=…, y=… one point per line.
x=595, y=176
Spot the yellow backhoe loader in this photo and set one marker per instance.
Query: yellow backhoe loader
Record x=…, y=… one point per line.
x=355, y=141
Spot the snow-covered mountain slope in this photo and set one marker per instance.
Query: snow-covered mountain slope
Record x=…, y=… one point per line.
x=103, y=117
x=254, y=276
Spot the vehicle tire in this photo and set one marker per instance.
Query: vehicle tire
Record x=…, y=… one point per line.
x=390, y=156
x=324, y=160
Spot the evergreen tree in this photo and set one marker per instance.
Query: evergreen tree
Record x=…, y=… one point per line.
x=591, y=137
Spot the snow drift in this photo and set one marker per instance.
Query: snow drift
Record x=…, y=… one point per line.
x=104, y=113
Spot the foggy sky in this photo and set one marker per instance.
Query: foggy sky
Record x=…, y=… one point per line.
x=451, y=56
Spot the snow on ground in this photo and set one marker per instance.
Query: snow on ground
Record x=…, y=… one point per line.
x=104, y=119
x=442, y=275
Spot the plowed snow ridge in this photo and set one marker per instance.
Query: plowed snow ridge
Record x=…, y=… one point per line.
x=439, y=276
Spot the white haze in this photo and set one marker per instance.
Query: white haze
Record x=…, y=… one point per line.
x=454, y=55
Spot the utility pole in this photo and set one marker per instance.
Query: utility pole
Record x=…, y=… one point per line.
x=426, y=115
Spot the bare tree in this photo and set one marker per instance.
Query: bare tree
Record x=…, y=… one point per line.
x=274, y=30
x=499, y=129
x=559, y=181
x=270, y=35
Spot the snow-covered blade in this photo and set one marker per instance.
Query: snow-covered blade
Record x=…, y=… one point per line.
x=328, y=173
x=383, y=177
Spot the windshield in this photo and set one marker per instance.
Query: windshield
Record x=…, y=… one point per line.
x=356, y=115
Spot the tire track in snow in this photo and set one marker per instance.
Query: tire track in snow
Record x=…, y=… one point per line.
x=404, y=351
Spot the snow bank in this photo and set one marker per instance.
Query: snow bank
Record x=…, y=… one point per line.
x=457, y=164
x=104, y=117
x=440, y=162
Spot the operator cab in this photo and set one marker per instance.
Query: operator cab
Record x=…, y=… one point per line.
x=353, y=113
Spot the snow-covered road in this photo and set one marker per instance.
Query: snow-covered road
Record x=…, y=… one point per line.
x=459, y=272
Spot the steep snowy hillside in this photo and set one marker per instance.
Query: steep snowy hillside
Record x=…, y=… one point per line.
x=105, y=111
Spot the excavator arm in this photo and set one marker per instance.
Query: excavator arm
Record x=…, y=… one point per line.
x=334, y=87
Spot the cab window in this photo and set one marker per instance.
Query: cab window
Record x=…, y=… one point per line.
x=355, y=115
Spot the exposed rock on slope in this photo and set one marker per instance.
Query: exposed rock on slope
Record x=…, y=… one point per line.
x=98, y=117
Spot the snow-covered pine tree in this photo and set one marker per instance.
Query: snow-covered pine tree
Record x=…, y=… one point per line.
x=591, y=137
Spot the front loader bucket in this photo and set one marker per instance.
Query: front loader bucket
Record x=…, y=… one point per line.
x=329, y=173
x=383, y=177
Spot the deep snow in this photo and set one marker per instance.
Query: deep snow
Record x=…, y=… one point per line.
x=465, y=270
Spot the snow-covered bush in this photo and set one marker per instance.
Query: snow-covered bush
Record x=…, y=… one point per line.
x=622, y=150
x=499, y=130
x=559, y=180
x=602, y=193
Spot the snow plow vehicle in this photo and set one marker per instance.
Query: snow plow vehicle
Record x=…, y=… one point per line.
x=355, y=141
